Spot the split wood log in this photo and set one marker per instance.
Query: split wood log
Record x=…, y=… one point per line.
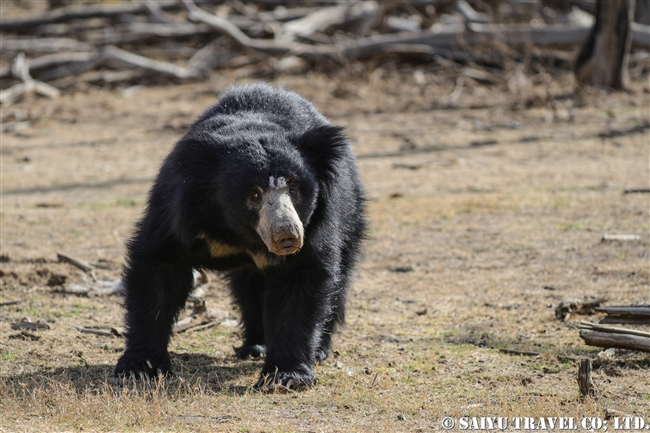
x=630, y=315
x=603, y=59
x=69, y=13
x=585, y=381
x=619, y=341
x=613, y=329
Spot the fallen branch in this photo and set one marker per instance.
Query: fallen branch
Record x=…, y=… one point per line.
x=522, y=34
x=621, y=238
x=94, y=331
x=70, y=13
x=20, y=70
x=43, y=45
x=29, y=326
x=7, y=97
x=520, y=352
x=62, y=257
x=443, y=37
x=114, y=56
x=8, y=303
x=137, y=32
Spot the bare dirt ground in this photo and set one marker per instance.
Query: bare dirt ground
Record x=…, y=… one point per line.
x=486, y=213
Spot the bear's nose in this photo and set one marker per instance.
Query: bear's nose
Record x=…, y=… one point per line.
x=286, y=240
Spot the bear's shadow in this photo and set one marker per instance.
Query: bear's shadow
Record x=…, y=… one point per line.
x=218, y=375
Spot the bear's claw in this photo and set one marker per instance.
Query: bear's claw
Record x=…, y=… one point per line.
x=284, y=382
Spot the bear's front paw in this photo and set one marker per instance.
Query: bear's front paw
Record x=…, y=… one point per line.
x=252, y=350
x=143, y=367
x=285, y=381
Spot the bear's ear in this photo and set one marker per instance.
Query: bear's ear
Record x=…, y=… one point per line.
x=323, y=147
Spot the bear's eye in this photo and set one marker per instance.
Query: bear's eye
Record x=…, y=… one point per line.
x=293, y=191
x=255, y=195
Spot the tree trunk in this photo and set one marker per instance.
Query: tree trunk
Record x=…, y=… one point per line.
x=603, y=58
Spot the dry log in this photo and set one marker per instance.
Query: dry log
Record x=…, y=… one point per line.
x=442, y=37
x=78, y=12
x=603, y=59
x=585, y=382
x=620, y=341
x=631, y=315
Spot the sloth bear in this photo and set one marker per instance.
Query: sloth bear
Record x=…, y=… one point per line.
x=265, y=188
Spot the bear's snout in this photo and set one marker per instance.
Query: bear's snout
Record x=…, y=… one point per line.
x=286, y=239
x=279, y=225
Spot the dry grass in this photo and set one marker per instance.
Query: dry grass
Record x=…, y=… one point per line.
x=462, y=246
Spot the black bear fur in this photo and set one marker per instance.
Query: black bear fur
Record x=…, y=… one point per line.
x=203, y=212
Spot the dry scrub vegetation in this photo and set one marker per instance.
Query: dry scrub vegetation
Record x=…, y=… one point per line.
x=486, y=212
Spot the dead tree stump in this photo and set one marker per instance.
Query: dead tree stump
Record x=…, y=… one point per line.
x=584, y=378
x=603, y=59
